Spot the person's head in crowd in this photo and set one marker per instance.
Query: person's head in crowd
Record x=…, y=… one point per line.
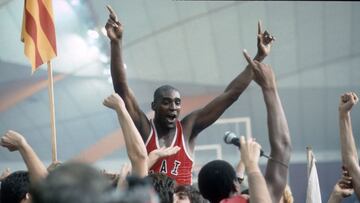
x=15, y=188
x=164, y=186
x=187, y=194
x=287, y=196
x=139, y=190
x=71, y=183
x=217, y=180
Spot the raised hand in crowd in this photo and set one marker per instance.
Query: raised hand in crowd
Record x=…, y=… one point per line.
x=264, y=43
x=342, y=189
x=14, y=141
x=124, y=172
x=160, y=153
x=134, y=144
x=349, y=153
x=114, y=28
x=280, y=143
x=250, y=154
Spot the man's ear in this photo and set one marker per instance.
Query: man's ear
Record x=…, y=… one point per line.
x=153, y=106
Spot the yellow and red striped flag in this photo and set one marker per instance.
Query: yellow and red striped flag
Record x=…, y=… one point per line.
x=38, y=32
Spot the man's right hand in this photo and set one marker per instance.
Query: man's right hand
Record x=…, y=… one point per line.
x=250, y=154
x=12, y=140
x=114, y=28
x=114, y=101
x=344, y=187
x=347, y=101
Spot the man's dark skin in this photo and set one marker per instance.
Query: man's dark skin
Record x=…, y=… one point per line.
x=167, y=104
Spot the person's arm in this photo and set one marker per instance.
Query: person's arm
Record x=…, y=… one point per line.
x=14, y=141
x=279, y=136
x=5, y=174
x=135, y=146
x=348, y=146
x=342, y=189
x=250, y=154
x=161, y=153
x=124, y=172
x=207, y=115
x=240, y=171
x=118, y=74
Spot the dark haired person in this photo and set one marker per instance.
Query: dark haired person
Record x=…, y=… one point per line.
x=187, y=194
x=15, y=188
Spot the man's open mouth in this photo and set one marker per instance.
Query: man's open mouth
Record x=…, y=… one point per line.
x=171, y=117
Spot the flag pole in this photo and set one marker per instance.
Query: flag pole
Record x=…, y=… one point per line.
x=308, y=155
x=52, y=113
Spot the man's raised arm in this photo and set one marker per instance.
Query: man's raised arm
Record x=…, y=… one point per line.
x=14, y=141
x=279, y=136
x=135, y=147
x=348, y=147
x=114, y=31
x=204, y=117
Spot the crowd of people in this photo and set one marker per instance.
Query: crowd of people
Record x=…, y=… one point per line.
x=161, y=149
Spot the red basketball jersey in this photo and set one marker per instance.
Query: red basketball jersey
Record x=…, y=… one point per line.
x=235, y=199
x=177, y=166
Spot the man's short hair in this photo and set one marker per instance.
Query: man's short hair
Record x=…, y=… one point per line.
x=190, y=191
x=164, y=88
x=164, y=186
x=216, y=180
x=71, y=183
x=14, y=187
x=139, y=190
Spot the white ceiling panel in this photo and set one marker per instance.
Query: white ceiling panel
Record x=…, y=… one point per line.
x=289, y=81
x=225, y=29
x=337, y=30
x=65, y=105
x=14, y=118
x=37, y=109
x=201, y=50
x=214, y=5
x=147, y=61
x=355, y=28
x=310, y=34
x=248, y=21
x=355, y=71
x=315, y=77
x=281, y=22
x=284, y=59
x=188, y=10
x=338, y=74
x=11, y=46
x=156, y=10
x=82, y=134
x=136, y=24
x=173, y=49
